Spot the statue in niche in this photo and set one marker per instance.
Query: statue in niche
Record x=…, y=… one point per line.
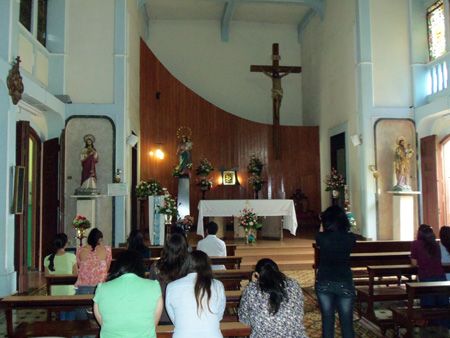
x=403, y=154
x=89, y=160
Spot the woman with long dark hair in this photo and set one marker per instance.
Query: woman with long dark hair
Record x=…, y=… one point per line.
x=168, y=267
x=426, y=255
x=128, y=305
x=334, y=281
x=61, y=262
x=273, y=304
x=136, y=242
x=196, y=302
x=444, y=235
x=93, y=261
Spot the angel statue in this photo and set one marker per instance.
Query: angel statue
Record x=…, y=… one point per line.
x=89, y=160
x=402, y=156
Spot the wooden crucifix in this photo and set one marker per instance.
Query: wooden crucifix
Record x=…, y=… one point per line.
x=276, y=72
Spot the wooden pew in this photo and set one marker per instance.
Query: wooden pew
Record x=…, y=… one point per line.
x=49, y=328
x=372, y=253
x=230, y=262
x=230, y=278
x=232, y=329
x=415, y=316
x=83, y=327
x=155, y=250
x=377, y=292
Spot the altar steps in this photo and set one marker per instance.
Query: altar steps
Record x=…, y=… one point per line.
x=288, y=258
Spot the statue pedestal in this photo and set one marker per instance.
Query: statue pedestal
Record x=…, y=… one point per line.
x=86, y=206
x=183, y=197
x=404, y=218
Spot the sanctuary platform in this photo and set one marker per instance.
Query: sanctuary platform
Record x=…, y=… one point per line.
x=291, y=253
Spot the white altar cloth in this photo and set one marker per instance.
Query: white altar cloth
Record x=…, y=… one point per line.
x=228, y=208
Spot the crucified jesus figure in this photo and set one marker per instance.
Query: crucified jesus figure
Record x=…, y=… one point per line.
x=277, y=90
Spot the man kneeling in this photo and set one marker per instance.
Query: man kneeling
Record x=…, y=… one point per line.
x=213, y=246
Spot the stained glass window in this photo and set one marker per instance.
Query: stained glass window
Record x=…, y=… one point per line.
x=436, y=30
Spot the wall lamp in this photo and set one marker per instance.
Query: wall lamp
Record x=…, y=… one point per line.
x=158, y=153
x=373, y=169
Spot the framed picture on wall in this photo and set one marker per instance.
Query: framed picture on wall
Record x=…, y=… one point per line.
x=19, y=190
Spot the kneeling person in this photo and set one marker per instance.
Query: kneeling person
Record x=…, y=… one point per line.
x=213, y=246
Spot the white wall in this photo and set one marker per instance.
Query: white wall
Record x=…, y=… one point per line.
x=220, y=71
x=90, y=48
x=329, y=90
x=390, y=46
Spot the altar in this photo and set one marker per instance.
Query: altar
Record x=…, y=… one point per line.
x=231, y=208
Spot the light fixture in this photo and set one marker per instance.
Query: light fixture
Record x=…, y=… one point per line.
x=159, y=153
x=356, y=140
x=373, y=169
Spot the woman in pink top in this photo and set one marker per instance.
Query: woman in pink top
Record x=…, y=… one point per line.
x=93, y=261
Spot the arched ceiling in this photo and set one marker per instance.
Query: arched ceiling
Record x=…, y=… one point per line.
x=291, y=12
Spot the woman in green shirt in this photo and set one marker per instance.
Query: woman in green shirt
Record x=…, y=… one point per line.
x=128, y=305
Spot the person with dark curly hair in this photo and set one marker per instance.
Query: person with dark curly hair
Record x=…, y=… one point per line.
x=273, y=304
x=444, y=235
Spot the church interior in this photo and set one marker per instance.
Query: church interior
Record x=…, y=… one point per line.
x=340, y=102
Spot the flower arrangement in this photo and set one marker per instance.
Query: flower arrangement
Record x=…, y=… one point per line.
x=255, y=165
x=205, y=182
x=256, y=182
x=81, y=223
x=249, y=220
x=176, y=171
x=186, y=222
x=334, y=181
x=149, y=188
x=169, y=206
x=204, y=168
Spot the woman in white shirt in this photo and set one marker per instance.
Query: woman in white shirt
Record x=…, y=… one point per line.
x=196, y=302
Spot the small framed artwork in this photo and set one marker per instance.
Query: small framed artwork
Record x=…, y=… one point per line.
x=229, y=177
x=19, y=190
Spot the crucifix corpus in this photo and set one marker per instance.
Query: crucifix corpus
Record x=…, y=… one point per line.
x=276, y=72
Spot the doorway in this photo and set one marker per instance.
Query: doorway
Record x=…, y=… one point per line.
x=338, y=159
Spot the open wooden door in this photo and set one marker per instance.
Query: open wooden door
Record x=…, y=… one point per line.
x=50, y=180
x=430, y=153
x=21, y=221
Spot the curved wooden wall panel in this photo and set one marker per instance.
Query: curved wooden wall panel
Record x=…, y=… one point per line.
x=224, y=139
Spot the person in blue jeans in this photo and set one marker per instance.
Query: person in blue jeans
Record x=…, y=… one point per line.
x=334, y=282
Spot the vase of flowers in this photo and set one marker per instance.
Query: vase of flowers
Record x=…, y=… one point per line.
x=256, y=182
x=334, y=181
x=168, y=208
x=249, y=220
x=149, y=188
x=204, y=168
x=186, y=223
x=255, y=166
x=81, y=223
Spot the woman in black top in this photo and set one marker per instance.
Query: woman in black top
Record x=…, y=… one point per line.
x=334, y=284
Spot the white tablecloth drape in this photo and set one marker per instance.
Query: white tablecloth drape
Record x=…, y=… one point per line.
x=227, y=208
x=155, y=221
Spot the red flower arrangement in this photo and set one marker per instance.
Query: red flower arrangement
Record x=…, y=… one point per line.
x=81, y=222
